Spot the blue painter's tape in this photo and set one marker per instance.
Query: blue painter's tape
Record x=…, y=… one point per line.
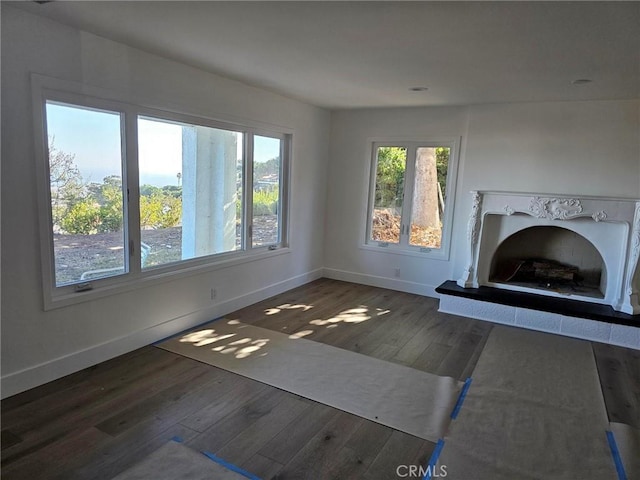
x=431, y=466
x=463, y=394
x=615, y=453
x=177, y=439
x=230, y=466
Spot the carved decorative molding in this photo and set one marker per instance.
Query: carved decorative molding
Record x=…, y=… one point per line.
x=474, y=218
x=555, y=208
x=635, y=248
x=608, y=223
x=599, y=216
x=472, y=234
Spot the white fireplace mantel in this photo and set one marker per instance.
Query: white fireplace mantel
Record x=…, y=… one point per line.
x=612, y=225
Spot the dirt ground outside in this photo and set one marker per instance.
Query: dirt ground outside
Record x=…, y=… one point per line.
x=78, y=254
x=386, y=228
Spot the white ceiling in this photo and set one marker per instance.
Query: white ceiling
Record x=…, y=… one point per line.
x=368, y=54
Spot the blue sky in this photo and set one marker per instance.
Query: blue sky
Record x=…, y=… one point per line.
x=93, y=137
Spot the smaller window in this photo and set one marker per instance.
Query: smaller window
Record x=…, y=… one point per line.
x=409, y=207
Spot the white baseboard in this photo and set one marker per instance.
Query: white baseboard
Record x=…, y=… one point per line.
x=31, y=377
x=382, y=282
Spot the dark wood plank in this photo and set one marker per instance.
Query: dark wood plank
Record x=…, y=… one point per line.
x=79, y=411
x=249, y=411
x=96, y=386
x=619, y=371
x=483, y=329
x=312, y=294
x=457, y=359
x=147, y=407
x=56, y=457
x=9, y=439
x=286, y=444
x=360, y=451
x=384, y=352
x=315, y=459
x=418, y=343
x=110, y=367
x=431, y=358
x=114, y=455
x=290, y=320
x=400, y=449
x=254, y=437
x=225, y=403
x=394, y=325
x=262, y=467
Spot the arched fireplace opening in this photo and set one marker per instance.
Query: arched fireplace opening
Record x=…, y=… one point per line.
x=549, y=258
x=610, y=225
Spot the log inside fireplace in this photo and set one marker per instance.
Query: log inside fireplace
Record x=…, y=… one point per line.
x=547, y=274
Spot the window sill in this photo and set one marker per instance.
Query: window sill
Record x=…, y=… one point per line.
x=434, y=254
x=157, y=275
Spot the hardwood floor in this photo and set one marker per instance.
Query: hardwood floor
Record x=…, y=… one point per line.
x=619, y=371
x=394, y=326
x=98, y=422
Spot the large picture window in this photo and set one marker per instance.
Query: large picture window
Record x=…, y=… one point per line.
x=190, y=190
x=129, y=192
x=411, y=196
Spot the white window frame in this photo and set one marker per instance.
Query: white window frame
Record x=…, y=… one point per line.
x=74, y=94
x=404, y=247
x=283, y=193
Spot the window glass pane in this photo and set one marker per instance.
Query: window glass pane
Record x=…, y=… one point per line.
x=428, y=204
x=266, y=190
x=190, y=191
x=85, y=179
x=387, y=207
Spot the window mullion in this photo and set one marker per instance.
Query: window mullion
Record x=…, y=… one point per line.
x=247, y=194
x=407, y=199
x=131, y=220
x=284, y=189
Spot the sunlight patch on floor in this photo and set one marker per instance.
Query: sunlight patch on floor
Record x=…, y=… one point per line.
x=352, y=315
x=300, y=334
x=239, y=347
x=287, y=306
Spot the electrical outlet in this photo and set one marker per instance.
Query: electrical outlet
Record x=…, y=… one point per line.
x=214, y=294
x=397, y=273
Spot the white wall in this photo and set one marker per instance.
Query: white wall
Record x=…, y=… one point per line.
x=588, y=148
x=38, y=346
x=574, y=148
x=352, y=132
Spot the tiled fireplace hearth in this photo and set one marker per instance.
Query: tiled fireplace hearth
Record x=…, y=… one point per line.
x=555, y=263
